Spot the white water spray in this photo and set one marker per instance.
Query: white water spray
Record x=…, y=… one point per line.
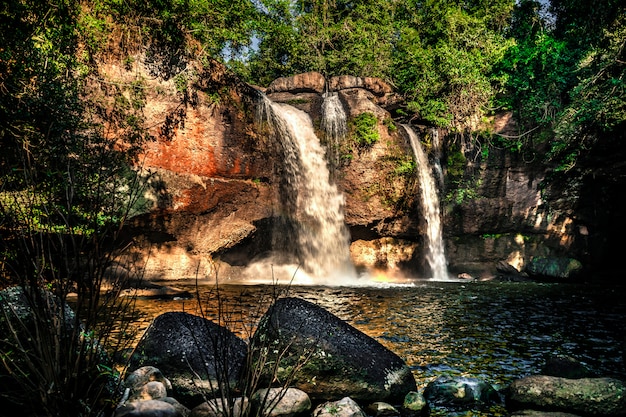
x=318, y=207
x=334, y=125
x=431, y=211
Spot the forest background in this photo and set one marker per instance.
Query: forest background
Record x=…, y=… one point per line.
x=557, y=65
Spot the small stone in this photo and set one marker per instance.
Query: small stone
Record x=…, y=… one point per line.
x=153, y=390
x=414, y=401
x=346, y=407
x=382, y=409
x=141, y=376
x=281, y=402
x=150, y=408
x=218, y=407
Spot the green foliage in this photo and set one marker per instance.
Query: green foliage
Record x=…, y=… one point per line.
x=597, y=104
x=181, y=82
x=405, y=168
x=444, y=60
x=390, y=124
x=540, y=70
x=364, y=128
x=456, y=163
x=565, y=77
x=66, y=189
x=461, y=186
x=314, y=35
x=492, y=235
x=464, y=192
x=398, y=180
x=454, y=63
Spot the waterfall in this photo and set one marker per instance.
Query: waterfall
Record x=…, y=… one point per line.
x=315, y=205
x=334, y=125
x=434, y=132
x=430, y=210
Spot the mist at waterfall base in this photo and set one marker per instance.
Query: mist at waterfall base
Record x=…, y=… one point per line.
x=312, y=244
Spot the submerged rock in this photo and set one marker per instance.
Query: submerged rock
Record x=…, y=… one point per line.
x=414, y=403
x=326, y=357
x=534, y=413
x=382, y=409
x=460, y=392
x=553, y=267
x=565, y=367
x=585, y=396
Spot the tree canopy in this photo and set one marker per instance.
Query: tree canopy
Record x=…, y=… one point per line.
x=558, y=65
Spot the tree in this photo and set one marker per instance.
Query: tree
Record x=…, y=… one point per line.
x=68, y=139
x=444, y=60
x=565, y=75
x=595, y=116
x=329, y=36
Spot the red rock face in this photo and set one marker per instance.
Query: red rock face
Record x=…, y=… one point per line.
x=213, y=142
x=209, y=174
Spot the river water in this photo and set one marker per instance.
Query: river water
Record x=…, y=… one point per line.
x=494, y=331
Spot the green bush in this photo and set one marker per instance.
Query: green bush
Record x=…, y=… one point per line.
x=364, y=130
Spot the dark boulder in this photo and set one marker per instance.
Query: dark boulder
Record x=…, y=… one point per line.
x=326, y=357
x=21, y=309
x=508, y=273
x=197, y=355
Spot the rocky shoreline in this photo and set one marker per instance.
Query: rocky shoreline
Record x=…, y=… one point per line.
x=319, y=365
x=302, y=360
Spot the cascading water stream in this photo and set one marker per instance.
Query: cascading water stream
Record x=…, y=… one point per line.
x=334, y=125
x=316, y=205
x=431, y=211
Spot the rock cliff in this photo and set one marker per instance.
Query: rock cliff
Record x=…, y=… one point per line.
x=213, y=189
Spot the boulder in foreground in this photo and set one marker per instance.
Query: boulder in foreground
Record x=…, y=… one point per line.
x=197, y=355
x=326, y=357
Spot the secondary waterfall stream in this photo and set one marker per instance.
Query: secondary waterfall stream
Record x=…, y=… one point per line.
x=334, y=125
x=314, y=204
x=430, y=209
